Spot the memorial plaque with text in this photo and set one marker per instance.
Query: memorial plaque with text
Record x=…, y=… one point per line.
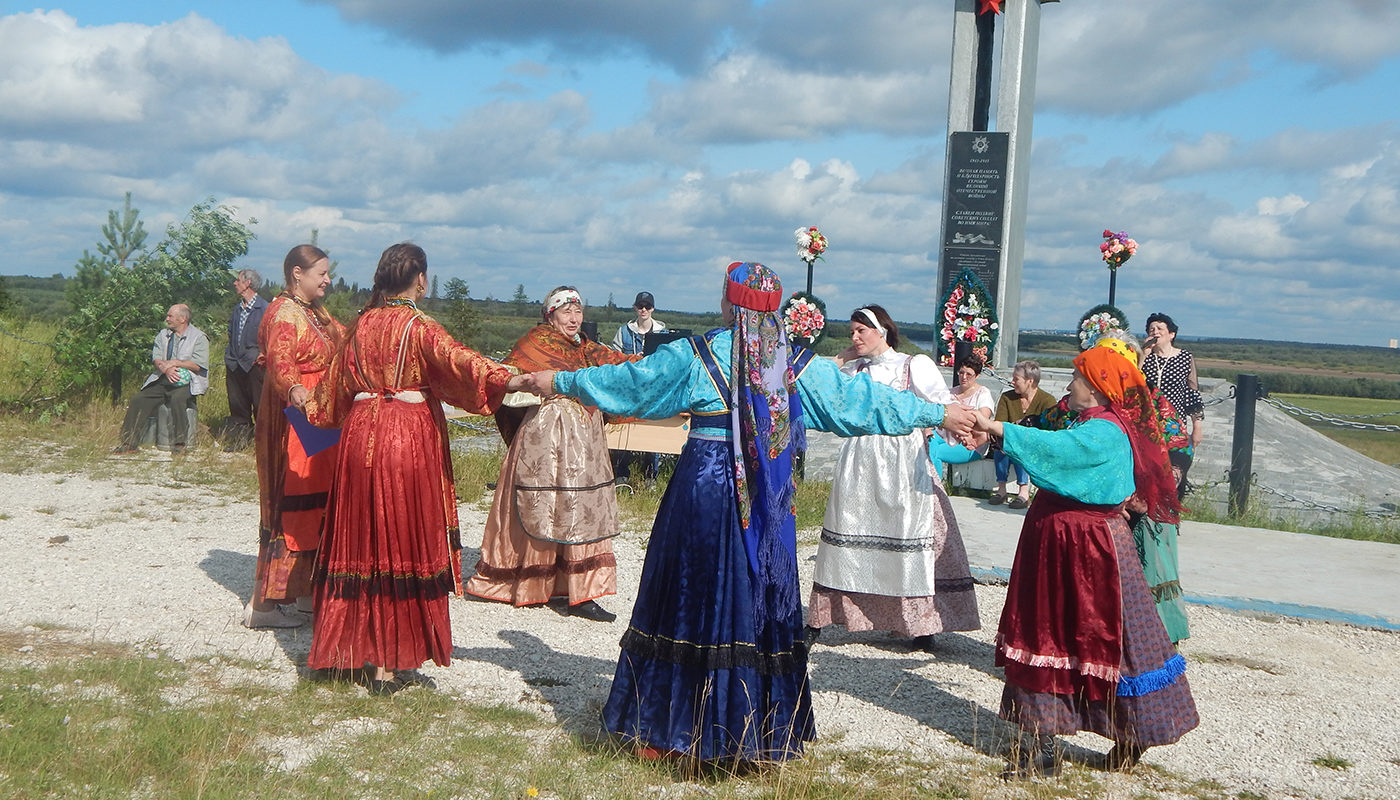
x=974, y=207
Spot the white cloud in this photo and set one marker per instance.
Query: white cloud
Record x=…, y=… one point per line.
x=184, y=84
x=678, y=34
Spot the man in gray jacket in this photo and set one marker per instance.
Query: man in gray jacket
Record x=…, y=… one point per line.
x=181, y=358
x=243, y=361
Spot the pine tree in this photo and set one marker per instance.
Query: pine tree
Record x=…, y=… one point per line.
x=125, y=234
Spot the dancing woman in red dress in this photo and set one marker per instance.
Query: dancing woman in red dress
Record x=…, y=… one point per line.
x=390, y=552
x=298, y=339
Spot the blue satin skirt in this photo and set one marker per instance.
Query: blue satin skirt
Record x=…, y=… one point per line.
x=699, y=673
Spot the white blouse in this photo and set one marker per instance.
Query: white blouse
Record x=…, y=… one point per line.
x=891, y=368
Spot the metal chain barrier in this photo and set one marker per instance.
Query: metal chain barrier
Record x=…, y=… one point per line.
x=6, y=331
x=1339, y=421
x=1212, y=401
x=1312, y=506
x=472, y=426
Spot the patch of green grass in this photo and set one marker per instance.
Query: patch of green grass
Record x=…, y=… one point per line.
x=108, y=721
x=1258, y=515
x=1248, y=795
x=1331, y=761
x=1383, y=446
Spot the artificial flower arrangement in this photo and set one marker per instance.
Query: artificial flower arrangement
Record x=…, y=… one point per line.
x=968, y=316
x=1100, y=320
x=810, y=243
x=804, y=319
x=1117, y=248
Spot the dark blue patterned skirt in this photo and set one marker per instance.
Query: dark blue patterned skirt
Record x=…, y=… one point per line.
x=699, y=673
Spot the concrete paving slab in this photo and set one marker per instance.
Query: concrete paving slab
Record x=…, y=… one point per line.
x=1246, y=569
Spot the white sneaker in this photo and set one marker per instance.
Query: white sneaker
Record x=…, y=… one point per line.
x=277, y=618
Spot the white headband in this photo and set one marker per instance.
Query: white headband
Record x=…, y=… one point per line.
x=874, y=323
x=560, y=299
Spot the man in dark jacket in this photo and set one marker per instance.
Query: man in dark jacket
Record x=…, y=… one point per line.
x=243, y=363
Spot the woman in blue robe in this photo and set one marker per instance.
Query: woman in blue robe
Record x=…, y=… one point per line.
x=714, y=663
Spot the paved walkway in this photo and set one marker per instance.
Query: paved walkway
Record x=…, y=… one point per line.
x=1247, y=569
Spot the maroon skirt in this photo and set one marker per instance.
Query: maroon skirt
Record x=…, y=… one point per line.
x=1080, y=638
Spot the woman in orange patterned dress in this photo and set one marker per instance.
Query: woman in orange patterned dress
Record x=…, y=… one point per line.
x=555, y=510
x=390, y=551
x=298, y=338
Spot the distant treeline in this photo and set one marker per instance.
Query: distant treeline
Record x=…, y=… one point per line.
x=1276, y=363
x=499, y=323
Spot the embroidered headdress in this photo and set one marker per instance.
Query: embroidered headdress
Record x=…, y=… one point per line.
x=1118, y=378
x=763, y=405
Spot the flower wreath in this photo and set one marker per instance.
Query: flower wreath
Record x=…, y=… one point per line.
x=804, y=319
x=1099, y=320
x=968, y=316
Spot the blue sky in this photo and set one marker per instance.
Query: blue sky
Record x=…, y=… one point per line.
x=1252, y=149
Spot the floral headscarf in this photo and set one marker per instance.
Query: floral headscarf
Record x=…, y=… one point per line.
x=763, y=405
x=1129, y=399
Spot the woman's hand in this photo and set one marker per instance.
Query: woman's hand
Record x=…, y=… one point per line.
x=541, y=383
x=847, y=355
x=297, y=396
x=519, y=383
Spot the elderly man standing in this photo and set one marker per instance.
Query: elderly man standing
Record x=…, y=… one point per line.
x=243, y=362
x=181, y=358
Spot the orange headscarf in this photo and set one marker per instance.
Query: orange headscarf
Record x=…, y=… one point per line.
x=1130, y=401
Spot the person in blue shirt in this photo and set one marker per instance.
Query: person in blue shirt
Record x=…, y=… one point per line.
x=714, y=662
x=631, y=336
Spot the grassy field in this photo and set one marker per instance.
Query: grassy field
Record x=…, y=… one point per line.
x=85, y=718
x=1383, y=446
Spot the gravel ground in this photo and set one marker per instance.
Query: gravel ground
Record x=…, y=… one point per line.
x=169, y=567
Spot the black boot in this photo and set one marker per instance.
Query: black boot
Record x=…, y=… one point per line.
x=1038, y=760
x=1044, y=763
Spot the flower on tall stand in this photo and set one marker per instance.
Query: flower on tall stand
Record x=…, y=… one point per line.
x=810, y=246
x=1116, y=249
x=804, y=319
x=968, y=316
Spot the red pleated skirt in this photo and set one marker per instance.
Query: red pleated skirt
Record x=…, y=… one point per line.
x=390, y=548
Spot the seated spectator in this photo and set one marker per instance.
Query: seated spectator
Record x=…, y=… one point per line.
x=631, y=337
x=181, y=359
x=1024, y=399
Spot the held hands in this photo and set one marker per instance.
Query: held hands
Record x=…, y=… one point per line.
x=540, y=383
x=519, y=383
x=958, y=420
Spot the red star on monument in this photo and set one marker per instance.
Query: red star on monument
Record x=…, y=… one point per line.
x=993, y=6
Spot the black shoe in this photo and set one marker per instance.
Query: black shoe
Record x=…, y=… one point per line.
x=924, y=643
x=381, y=688
x=811, y=635
x=591, y=610
x=177, y=449
x=123, y=450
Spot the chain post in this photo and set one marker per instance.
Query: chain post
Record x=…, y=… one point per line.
x=1247, y=392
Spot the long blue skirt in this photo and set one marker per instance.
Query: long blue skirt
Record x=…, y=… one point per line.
x=699, y=673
